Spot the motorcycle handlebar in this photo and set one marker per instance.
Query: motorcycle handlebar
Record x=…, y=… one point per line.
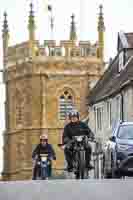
x=60, y=145
x=89, y=139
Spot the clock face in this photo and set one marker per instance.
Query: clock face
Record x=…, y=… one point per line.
x=121, y=61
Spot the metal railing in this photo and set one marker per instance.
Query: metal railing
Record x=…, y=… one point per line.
x=97, y=161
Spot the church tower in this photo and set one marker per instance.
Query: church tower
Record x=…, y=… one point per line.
x=43, y=83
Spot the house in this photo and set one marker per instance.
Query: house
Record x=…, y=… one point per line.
x=111, y=99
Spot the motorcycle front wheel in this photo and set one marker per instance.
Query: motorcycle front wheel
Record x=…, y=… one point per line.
x=43, y=173
x=82, y=164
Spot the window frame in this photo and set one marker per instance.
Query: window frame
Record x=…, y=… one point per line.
x=99, y=118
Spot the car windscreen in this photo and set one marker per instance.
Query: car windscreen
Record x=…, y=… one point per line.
x=125, y=132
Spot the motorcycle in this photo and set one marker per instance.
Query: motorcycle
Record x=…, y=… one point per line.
x=77, y=147
x=44, y=163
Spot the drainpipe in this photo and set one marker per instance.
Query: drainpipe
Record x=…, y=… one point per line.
x=122, y=100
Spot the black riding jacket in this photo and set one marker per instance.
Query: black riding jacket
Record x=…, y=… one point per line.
x=76, y=129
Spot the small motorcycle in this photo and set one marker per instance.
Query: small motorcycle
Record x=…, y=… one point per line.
x=44, y=163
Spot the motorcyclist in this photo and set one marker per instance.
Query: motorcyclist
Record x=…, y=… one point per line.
x=76, y=128
x=42, y=148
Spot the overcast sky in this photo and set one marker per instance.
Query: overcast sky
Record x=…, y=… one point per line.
x=118, y=15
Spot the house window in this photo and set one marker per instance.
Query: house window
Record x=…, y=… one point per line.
x=65, y=104
x=109, y=113
x=118, y=108
x=98, y=118
x=99, y=112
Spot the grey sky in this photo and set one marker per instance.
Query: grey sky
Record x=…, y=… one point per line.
x=118, y=15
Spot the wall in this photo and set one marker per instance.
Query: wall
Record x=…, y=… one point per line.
x=109, y=124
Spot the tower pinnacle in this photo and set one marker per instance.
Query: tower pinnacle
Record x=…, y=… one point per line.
x=73, y=35
x=101, y=29
x=31, y=28
x=5, y=37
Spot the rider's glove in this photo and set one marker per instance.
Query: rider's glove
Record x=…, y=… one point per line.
x=54, y=162
x=34, y=161
x=63, y=147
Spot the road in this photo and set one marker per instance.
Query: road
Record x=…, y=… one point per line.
x=67, y=190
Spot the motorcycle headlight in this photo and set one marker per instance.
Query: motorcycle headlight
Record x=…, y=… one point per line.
x=43, y=159
x=122, y=147
x=79, y=138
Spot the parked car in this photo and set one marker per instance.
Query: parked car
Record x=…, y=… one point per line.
x=118, y=152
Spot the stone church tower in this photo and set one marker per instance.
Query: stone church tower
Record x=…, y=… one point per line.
x=43, y=82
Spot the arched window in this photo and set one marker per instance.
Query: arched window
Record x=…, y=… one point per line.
x=65, y=104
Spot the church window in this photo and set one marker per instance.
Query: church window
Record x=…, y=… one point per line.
x=82, y=52
x=52, y=51
x=72, y=53
x=58, y=52
x=88, y=51
x=65, y=104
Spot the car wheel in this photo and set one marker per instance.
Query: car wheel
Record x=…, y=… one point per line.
x=115, y=171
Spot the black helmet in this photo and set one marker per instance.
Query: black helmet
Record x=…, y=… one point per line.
x=74, y=113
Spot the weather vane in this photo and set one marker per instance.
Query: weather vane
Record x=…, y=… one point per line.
x=50, y=9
